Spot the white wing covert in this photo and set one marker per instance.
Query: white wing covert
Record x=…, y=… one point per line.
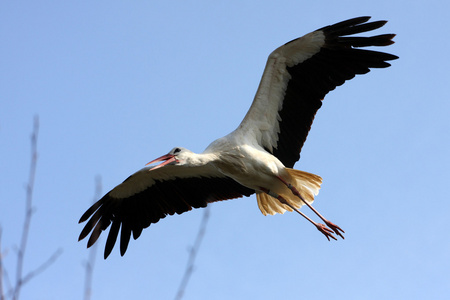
x=150, y=195
x=297, y=77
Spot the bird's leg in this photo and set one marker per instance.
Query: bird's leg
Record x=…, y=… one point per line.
x=330, y=224
x=321, y=227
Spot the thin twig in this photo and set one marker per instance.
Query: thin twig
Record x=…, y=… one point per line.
x=192, y=254
x=2, y=295
x=14, y=291
x=28, y=210
x=89, y=265
x=34, y=273
x=5, y=281
x=42, y=267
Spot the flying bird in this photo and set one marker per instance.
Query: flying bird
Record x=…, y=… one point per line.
x=259, y=155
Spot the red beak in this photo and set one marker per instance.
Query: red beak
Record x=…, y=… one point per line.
x=168, y=158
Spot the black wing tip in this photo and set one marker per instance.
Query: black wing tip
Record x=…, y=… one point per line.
x=92, y=239
x=385, y=39
x=339, y=36
x=352, y=22
x=374, y=25
x=92, y=209
x=82, y=236
x=86, y=215
x=352, y=26
x=390, y=57
x=107, y=252
x=90, y=226
x=346, y=23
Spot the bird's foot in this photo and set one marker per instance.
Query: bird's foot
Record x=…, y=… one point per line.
x=326, y=231
x=335, y=228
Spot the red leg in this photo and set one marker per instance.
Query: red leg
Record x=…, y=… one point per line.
x=330, y=224
x=321, y=227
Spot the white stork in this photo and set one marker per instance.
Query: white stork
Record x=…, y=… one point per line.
x=259, y=155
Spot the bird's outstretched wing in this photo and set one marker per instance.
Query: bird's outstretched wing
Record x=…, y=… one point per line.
x=297, y=77
x=150, y=195
x=299, y=74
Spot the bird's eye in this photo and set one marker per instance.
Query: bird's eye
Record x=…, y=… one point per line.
x=176, y=150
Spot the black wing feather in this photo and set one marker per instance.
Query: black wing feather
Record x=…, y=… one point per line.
x=131, y=215
x=337, y=61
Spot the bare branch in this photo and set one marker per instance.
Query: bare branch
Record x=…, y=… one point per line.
x=192, y=254
x=4, y=274
x=28, y=210
x=20, y=280
x=42, y=267
x=89, y=265
x=2, y=295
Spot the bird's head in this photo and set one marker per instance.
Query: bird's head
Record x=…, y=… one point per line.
x=176, y=156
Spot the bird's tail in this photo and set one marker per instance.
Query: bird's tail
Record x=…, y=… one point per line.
x=306, y=183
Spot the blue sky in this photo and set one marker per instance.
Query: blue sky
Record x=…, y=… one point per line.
x=117, y=84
